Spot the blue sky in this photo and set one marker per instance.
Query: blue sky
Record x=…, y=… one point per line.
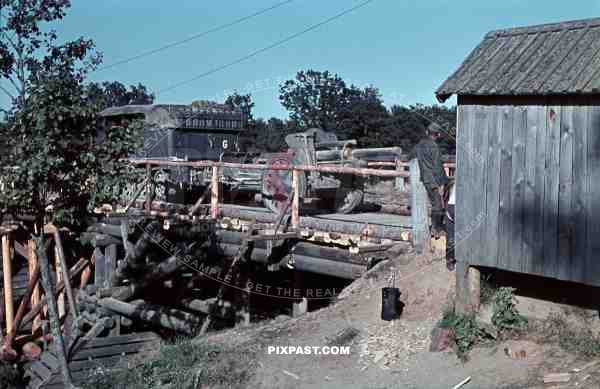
x=405, y=48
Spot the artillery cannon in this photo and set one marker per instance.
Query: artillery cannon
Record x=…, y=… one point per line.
x=340, y=192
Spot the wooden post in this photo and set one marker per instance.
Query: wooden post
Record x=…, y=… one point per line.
x=9, y=313
x=64, y=271
x=468, y=283
x=35, y=294
x=399, y=181
x=60, y=300
x=296, y=198
x=419, y=218
x=57, y=337
x=148, y=187
x=214, y=198
x=474, y=287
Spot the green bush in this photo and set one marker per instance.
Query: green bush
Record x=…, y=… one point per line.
x=504, y=311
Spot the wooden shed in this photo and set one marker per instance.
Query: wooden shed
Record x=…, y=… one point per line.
x=528, y=151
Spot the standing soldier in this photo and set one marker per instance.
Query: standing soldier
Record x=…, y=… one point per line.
x=433, y=174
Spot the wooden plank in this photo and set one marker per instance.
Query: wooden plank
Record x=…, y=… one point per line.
x=504, y=205
x=551, y=184
x=464, y=245
x=593, y=220
x=537, y=264
x=580, y=193
x=40, y=369
x=517, y=184
x=139, y=337
x=107, y=351
x=490, y=252
x=529, y=196
x=50, y=360
x=214, y=198
x=565, y=182
x=419, y=216
x=478, y=178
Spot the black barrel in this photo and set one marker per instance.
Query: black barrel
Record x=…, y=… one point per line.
x=390, y=298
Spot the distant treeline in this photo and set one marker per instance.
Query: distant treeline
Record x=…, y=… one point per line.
x=323, y=100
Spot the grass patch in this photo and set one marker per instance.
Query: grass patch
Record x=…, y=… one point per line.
x=186, y=364
x=579, y=340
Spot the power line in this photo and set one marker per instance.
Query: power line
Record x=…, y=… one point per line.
x=266, y=48
x=195, y=36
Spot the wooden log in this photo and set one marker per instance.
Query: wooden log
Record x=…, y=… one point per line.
x=58, y=341
x=214, y=198
x=320, y=224
x=200, y=200
x=153, y=314
x=107, y=229
x=250, y=166
x=9, y=314
x=74, y=271
x=296, y=199
x=399, y=182
x=419, y=217
x=33, y=264
x=222, y=309
x=31, y=286
x=127, y=245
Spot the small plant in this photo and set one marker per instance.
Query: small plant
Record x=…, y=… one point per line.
x=504, y=312
x=467, y=332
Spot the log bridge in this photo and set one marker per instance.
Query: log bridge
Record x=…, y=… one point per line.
x=155, y=267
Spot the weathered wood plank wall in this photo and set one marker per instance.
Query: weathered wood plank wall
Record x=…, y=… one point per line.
x=528, y=186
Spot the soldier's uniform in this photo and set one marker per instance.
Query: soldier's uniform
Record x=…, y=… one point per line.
x=433, y=177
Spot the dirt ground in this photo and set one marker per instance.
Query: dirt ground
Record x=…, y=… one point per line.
x=395, y=354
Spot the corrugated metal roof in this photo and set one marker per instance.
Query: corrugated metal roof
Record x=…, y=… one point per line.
x=558, y=58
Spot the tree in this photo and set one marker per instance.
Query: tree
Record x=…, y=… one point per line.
x=26, y=50
x=53, y=165
x=114, y=94
x=318, y=99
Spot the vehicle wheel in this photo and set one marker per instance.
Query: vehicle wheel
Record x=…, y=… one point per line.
x=277, y=190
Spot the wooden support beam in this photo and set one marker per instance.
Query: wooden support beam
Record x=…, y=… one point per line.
x=419, y=216
x=9, y=313
x=35, y=294
x=60, y=300
x=148, y=187
x=474, y=288
x=463, y=291
x=57, y=337
x=74, y=271
x=214, y=198
x=399, y=181
x=64, y=271
x=296, y=198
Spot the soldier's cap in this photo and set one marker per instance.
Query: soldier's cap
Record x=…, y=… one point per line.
x=434, y=129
